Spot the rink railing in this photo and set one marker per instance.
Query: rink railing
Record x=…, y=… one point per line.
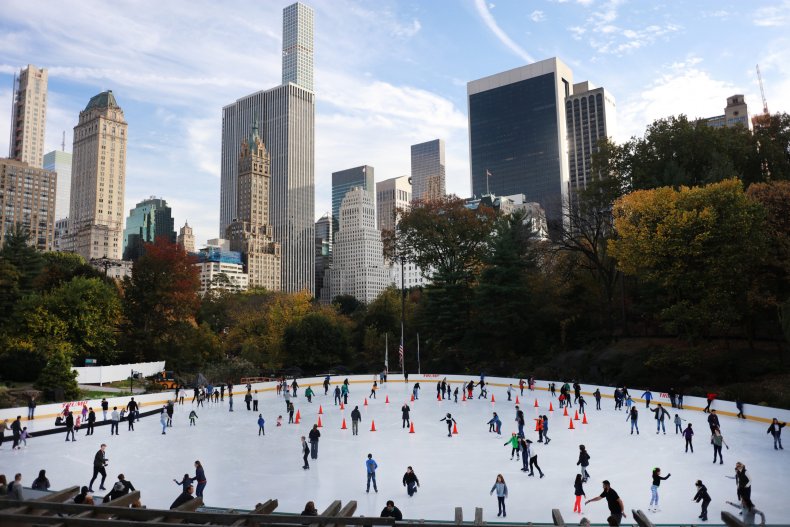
x=57, y=509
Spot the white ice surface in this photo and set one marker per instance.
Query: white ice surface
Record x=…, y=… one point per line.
x=243, y=469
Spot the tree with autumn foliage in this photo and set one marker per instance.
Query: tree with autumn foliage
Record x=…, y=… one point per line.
x=700, y=246
x=160, y=302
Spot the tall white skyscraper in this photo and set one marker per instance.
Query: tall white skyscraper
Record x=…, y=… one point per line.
x=590, y=117
x=98, y=179
x=29, y=116
x=60, y=162
x=287, y=119
x=357, y=253
x=427, y=170
x=298, y=45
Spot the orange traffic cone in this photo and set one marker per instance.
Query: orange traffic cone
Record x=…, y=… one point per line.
x=576, y=415
x=411, y=428
x=571, y=426
x=565, y=413
x=536, y=403
x=343, y=426
x=492, y=398
x=464, y=394
x=517, y=400
x=366, y=401
x=320, y=410
x=438, y=397
x=319, y=422
x=584, y=421
x=342, y=407
x=387, y=400
x=298, y=417
x=551, y=407
x=372, y=426
x=455, y=428
x=412, y=397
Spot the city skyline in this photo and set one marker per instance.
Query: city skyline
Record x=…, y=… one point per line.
x=375, y=96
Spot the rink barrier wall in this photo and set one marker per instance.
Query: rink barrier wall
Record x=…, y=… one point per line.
x=118, y=372
x=428, y=382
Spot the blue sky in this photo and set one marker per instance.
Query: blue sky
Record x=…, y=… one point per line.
x=388, y=74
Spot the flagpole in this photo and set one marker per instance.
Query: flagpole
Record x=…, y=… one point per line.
x=418, y=353
x=401, y=350
x=386, y=354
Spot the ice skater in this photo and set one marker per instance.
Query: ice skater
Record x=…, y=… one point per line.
x=776, y=431
x=373, y=390
x=99, y=462
x=688, y=433
x=513, y=442
x=404, y=414
x=678, y=427
x=337, y=395
x=583, y=462
x=657, y=479
x=633, y=415
x=309, y=393
x=613, y=500
x=578, y=491
x=533, y=459
x=546, y=430
x=710, y=397
x=661, y=413
x=91, y=421
x=261, y=422
x=749, y=511
x=739, y=406
x=520, y=421
x=192, y=416
x=743, y=481
x=415, y=392
x=200, y=477
x=553, y=389
x=702, y=496
x=455, y=394
x=356, y=417
x=69, y=427
x=713, y=421
x=305, y=453
x=326, y=385
x=510, y=391
x=410, y=481
x=495, y=424
x=539, y=428
x=370, y=468
x=582, y=404
x=647, y=396
x=717, y=440
x=255, y=401
x=450, y=423
x=501, y=493
x=314, y=435
x=163, y=420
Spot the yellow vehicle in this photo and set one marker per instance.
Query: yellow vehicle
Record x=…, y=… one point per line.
x=166, y=379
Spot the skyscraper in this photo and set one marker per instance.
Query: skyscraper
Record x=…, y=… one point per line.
x=287, y=119
x=186, y=238
x=98, y=177
x=427, y=170
x=323, y=250
x=357, y=254
x=27, y=198
x=590, y=117
x=298, y=45
x=735, y=113
x=517, y=135
x=345, y=180
x=391, y=194
x=60, y=162
x=147, y=221
x=29, y=116
x=251, y=233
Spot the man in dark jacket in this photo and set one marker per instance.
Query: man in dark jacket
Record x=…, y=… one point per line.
x=91, y=421
x=713, y=421
x=410, y=481
x=184, y=497
x=391, y=511
x=122, y=487
x=99, y=462
x=70, y=427
x=16, y=430
x=314, y=435
x=356, y=417
x=405, y=415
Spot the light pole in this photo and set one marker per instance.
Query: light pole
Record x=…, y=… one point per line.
x=401, y=351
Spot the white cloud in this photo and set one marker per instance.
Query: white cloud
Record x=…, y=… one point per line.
x=537, y=16
x=685, y=89
x=490, y=22
x=608, y=37
x=776, y=15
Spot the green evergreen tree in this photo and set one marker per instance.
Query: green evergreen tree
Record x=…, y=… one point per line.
x=58, y=373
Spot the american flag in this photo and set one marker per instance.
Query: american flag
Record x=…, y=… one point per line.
x=400, y=352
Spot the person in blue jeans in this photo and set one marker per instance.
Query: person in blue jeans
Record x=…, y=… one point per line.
x=633, y=415
x=200, y=476
x=501, y=493
x=410, y=481
x=371, y=466
x=661, y=413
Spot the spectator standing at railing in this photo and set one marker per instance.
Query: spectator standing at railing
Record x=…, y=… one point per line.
x=776, y=431
x=15, y=489
x=597, y=395
x=41, y=482
x=106, y=406
x=91, y=421
x=31, y=407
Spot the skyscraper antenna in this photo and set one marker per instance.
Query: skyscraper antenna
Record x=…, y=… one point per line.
x=63, y=143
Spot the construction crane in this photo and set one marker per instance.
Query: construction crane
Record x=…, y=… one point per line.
x=762, y=90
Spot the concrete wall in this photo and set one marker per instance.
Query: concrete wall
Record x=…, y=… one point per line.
x=118, y=372
x=45, y=414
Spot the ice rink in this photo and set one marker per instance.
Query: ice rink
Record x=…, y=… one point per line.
x=243, y=469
